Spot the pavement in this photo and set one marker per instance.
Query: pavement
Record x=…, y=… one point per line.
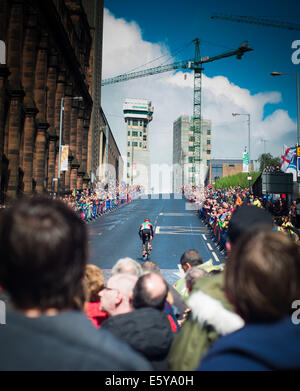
x=177, y=229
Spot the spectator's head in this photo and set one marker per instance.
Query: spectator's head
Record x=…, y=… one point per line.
x=190, y=259
x=116, y=295
x=192, y=276
x=93, y=281
x=246, y=219
x=151, y=290
x=149, y=267
x=43, y=252
x=127, y=266
x=262, y=276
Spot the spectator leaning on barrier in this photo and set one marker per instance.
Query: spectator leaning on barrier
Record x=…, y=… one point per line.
x=43, y=252
x=189, y=259
x=261, y=282
x=147, y=328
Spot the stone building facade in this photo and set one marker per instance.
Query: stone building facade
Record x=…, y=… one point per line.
x=49, y=55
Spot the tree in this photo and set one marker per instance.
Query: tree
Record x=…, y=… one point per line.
x=266, y=159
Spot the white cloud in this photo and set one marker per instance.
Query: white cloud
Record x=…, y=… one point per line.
x=172, y=96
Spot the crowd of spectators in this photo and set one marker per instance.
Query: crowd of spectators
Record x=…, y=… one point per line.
x=63, y=315
x=92, y=203
x=272, y=170
x=216, y=206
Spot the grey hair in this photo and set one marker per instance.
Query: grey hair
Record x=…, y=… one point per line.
x=127, y=266
x=192, y=275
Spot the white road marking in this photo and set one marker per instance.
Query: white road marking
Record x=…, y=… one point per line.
x=204, y=237
x=209, y=246
x=111, y=227
x=157, y=230
x=216, y=258
x=176, y=214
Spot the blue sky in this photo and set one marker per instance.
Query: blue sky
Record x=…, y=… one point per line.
x=164, y=26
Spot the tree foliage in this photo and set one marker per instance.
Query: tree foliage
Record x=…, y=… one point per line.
x=266, y=159
x=240, y=179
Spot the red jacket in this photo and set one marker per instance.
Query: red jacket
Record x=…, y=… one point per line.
x=95, y=315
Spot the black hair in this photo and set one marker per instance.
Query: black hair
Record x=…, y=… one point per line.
x=246, y=219
x=193, y=257
x=43, y=252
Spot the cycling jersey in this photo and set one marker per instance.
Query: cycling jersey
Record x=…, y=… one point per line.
x=146, y=225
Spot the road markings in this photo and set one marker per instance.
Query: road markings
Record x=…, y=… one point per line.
x=216, y=258
x=157, y=229
x=176, y=214
x=209, y=246
x=204, y=237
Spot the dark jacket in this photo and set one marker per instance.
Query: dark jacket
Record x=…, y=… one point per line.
x=146, y=330
x=66, y=342
x=256, y=347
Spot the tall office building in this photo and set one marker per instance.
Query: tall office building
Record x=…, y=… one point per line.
x=183, y=151
x=138, y=114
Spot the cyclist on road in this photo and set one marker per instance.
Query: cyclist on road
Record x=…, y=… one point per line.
x=146, y=228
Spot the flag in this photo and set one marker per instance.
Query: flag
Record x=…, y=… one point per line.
x=245, y=162
x=64, y=158
x=288, y=162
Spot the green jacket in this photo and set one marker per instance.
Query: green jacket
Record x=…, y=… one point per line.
x=211, y=316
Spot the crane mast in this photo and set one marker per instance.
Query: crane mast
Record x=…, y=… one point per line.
x=195, y=65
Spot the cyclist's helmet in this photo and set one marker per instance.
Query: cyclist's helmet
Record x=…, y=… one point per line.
x=147, y=220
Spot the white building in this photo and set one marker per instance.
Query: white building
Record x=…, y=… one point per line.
x=137, y=114
x=183, y=151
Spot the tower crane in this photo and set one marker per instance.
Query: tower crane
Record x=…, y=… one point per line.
x=195, y=65
x=257, y=20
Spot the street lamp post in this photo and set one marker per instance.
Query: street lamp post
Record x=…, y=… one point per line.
x=60, y=136
x=298, y=99
x=249, y=147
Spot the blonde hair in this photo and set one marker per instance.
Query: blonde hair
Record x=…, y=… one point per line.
x=93, y=281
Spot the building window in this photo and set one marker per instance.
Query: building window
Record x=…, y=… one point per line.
x=208, y=151
x=135, y=122
x=208, y=163
x=209, y=132
x=145, y=138
x=192, y=169
x=128, y=176
x=128, y=132
x=128, y=121
x=135, y=134
x=141, y=134
x=128, y=154
x=140, y=145
x=191, y=159
x=208, y=142
x=141, y=123
x=134, y=144
x=191, y=149
x=192, y=139
x=128, y=164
